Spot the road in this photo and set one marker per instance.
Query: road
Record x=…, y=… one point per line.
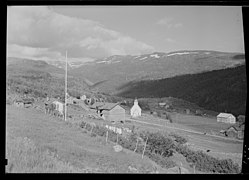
x=189, y=131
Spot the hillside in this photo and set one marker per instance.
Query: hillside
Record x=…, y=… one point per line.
x=18, y=65
x=118, y=70
x=39, y=79
x=218, y=90
x=40, y=143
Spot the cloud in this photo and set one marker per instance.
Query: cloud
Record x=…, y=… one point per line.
x=35, y=53
x=169, y=23
x=169, y=40
x=39, y=31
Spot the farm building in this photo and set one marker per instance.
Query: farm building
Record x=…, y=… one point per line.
x=59, y=106
x=135, y=110
x=187, y=111
x=241, y=118
x=19, y=103
x=226, y=118
x=161, y=104
x=235, y=131
x=110, y=111
x=232, y=132
x=83, y=97
x=27, y=102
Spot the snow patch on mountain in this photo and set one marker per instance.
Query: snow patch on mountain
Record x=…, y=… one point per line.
x=182, y=53
x=137, y=57
x=155, y=55
x=101, y=61
x=115, y=62
x=143, y=58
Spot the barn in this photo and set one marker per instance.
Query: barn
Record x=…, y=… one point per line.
x=226, y=118
x=110, y=111
x=232, y=132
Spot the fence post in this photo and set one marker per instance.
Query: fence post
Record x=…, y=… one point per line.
x=84, y=125
x=136, y=146
x=91, y=129
x=144, y=147
x=106, y=136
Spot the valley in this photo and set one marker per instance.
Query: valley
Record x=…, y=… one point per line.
x=188, y=94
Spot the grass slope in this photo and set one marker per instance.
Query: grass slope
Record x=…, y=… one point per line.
x=74, y=150
x=219, y=90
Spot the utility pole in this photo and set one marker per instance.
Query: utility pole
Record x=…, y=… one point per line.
x=66, y=90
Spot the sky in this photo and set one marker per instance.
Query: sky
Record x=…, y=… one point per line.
x=92, y=32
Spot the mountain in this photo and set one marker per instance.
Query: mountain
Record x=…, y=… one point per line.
x=20, y=65
x=61, y=64
x=118, y=70
x=218, y=90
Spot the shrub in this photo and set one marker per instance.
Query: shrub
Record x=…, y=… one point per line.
x=164, y=162
x=101, y=131
x=179, y=139
x=158, y=143
x=207, y=163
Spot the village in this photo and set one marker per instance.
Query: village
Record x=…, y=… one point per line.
x=119, y=115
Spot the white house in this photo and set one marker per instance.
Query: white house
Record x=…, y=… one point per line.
x=59, y=106
x=226, y=118
x=83, y=97
x=135, y=110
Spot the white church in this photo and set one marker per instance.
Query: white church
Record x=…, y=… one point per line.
x=136, y=110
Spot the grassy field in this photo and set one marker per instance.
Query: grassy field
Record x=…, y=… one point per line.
x=67, y=148
x=187, y=125
x=72, y=148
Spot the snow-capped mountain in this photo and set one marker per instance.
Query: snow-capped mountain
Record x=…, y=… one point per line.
x=121, y=69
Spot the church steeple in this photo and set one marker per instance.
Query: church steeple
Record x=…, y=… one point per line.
x=135, y=110
x=135, y=101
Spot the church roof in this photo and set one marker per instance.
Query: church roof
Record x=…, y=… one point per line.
x=104, y=105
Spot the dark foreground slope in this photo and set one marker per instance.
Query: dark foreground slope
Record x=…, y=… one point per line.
x=219, y=90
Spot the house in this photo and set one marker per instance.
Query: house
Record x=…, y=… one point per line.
x=198, y=112
x=83, y=97
x=135, y=110
x=226, y=118
x=19, y=103
x=235, y=131
x=70, y=100
x=110, y=111
x=241, y=119
x=232, y=132
x=26, y=102
x=59, y=106
x=187, y=111
x=161, y=104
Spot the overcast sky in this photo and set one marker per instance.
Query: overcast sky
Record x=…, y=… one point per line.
x=90, y=32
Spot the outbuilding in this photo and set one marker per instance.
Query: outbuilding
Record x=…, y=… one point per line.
x=110, y=111
x=226, y=118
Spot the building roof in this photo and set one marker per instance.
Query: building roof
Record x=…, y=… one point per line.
x=232, y=127
x=224, y=115
x=104, y=105
x=25, y=100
